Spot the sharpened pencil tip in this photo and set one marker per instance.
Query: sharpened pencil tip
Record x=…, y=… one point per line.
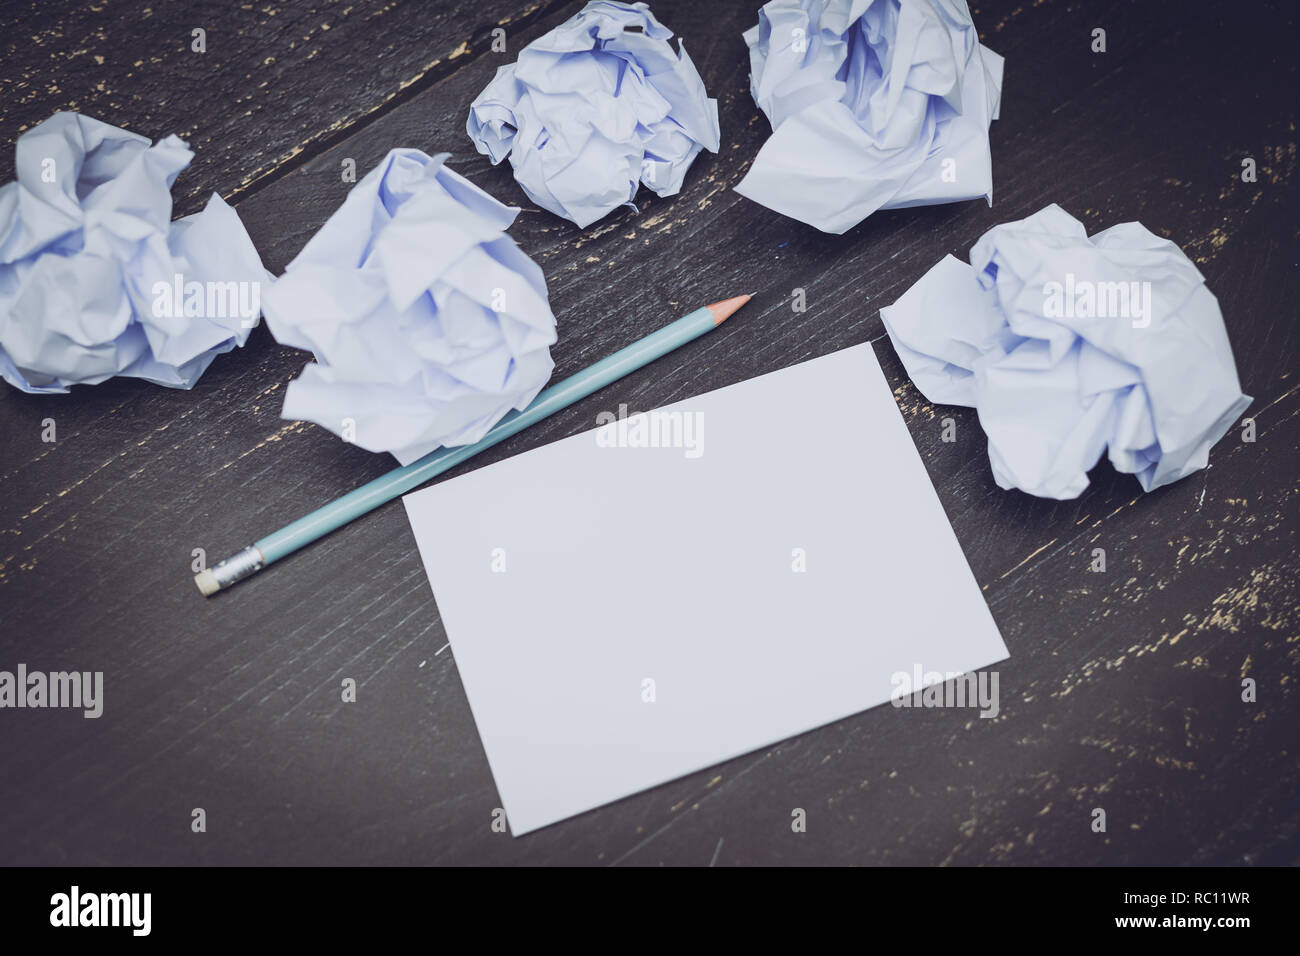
x=723, y=310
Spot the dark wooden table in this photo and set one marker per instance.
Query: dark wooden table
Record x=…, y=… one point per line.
x=1123, y=690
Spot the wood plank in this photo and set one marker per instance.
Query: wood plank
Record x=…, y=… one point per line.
x=1123, y=690
x=275, y=83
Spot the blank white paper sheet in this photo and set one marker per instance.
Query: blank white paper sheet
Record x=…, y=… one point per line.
x=622, y=614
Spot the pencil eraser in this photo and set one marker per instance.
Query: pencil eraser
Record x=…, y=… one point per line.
x=207, y=582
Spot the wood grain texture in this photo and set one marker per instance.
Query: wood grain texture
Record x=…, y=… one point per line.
x=1123, y=688
x=273, y=83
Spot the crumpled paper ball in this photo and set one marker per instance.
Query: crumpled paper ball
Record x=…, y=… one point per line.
x=1070, y=345
x=874, y=104
x=95, y=278
x=427, y=322
x=594, y=107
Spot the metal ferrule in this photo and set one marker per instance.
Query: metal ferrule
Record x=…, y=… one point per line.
x=238, y=566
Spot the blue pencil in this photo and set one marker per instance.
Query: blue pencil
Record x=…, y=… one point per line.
x=397, y=482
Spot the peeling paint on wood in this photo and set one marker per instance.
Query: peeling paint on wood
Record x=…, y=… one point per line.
x=1124, y=686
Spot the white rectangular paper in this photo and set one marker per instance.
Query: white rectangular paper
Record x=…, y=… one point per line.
x=569, y=576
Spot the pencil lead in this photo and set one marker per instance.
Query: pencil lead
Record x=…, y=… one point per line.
x=722, y=310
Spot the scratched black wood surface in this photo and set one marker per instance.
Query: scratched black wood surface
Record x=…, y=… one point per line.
x=1123, y=690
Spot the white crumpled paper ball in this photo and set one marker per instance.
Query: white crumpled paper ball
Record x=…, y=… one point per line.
x=427, y=322
x=1072, y=345
x=874, y=104
x=95, y=278
x=596, y=106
